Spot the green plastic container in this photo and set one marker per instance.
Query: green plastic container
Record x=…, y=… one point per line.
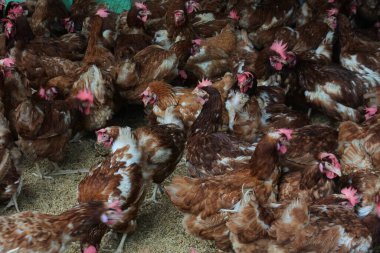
x=114, y=5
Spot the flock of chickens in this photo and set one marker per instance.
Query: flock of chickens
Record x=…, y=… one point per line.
x=231, y=85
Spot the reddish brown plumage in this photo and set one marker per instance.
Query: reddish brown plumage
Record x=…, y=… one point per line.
x=354, y=53
x=45, y=127
x=184, y=28
x=210, y=152
x=172, y=104
x=35, y=232
x=162, y=147
x=322, y=228
x=202, y=199
x=118, y=177
x=47, y=18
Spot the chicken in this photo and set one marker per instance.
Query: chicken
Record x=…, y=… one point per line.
x=249, y=225
x=47, y=19
x=70, y=46
x=45, y=127
x=208, y=23
x=211, y=57
x=223, y=85
x=161, y=147
x=135, y=74
x=270, y=13
x=36, y=232
x=10, y=169
x=312, y=163
x=79, y=10
x=16, y=25
x=39, y=69
x=354, y=53
x=209, y=202
x=210, y=152
x=327, y=87
x=119, y=177
x=176, y=104
x=332, y=227
x=177, y=20
x=244, y=113
x=253, y=109
x=97, y=75
x=360, y=158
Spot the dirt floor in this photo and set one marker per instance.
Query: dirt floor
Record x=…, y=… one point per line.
x=159, y=225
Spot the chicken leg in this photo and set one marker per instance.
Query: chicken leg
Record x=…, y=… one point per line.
x=120, y=248
x=13, y=200
x=157, y=187
x=39, y=174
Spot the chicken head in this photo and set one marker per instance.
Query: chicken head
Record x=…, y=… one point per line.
x=329, y=165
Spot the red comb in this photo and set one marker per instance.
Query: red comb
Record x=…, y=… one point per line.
x=286, y=132
x=141, y=6
x=204, y=83
x=7, y=62
x=280, y=48
x=15, y=12
x=85, y=95
x=234, y=15
x=242, y=77
x=102, y=12
x=370, y=111
x=350, y=195
x=90, y=249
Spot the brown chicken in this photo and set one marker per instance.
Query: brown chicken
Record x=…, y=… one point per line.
x=97, y=75
x=70, y=46
x=209, y=202
x=311, y=151
x=354, y=53
x=258, y=16
x=177, y=20
x=48, y=18
x=150, y=64
x=211, y=57
x=119, y=177
x=171, y=104
x=253, y=109
x=79, y=10
x=45, y=127
x=10, y=170
x=210, y=152
x=332, y=227
x=35, y=232
x=161, y=147
x=360, y=158
x=328, y=87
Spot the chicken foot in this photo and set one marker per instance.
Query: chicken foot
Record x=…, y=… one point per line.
x=13, y=200
x=120, y=248
x=77, y=137
x=41, y=175
x=157, y=187
x=68, y=172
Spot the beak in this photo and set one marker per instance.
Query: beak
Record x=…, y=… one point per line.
x=333, y=169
